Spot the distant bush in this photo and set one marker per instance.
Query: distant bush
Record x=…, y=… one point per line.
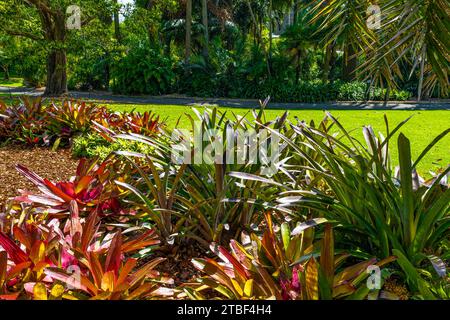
x=89, y=73
x=200, y=84
x=352, y=91
x=143, y=71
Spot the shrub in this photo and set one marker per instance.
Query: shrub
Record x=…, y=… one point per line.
x=94, y=145
x=89, y=72
x=33, y=123
x=352, y=91
x=142, y=71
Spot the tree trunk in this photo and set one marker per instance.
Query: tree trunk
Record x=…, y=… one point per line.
x=270, y=31
x=56, y=73
x=422, y=68
x=295, y=9
x=5, y=72
x=326, y=63
x=350, y=63
x=298, y=68
x=187, y=56
x=205, y=26
x=55, y=33
x=117, y=22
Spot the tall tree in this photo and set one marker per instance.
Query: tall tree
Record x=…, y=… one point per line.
x=117, y=21
x=188, y=24
x=205, y=27
x=46, y=21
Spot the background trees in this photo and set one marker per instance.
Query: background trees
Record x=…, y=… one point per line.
x=242, y=48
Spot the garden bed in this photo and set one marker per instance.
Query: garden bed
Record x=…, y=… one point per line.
x=139, y=225
x=54, y=165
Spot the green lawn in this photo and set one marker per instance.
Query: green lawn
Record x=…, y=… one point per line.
x=12, y=82
x=421, y=129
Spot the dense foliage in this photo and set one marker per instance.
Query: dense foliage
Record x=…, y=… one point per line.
x=305, y=51
x=333, y=209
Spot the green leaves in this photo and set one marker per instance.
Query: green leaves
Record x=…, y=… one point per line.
x=413, y=276
x=404, y=151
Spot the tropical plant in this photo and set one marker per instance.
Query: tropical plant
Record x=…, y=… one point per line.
x=78, y=261
x=91, y=187
x=379, y=210
x=202, y=195
x=284, y=267
x=72, y=118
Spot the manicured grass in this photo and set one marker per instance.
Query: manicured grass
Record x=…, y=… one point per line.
x=421, y=129
x=12, y=82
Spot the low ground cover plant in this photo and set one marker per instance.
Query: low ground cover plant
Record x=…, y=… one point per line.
x=333, y=211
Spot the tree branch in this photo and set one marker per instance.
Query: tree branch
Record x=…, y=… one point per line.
x=23, y=34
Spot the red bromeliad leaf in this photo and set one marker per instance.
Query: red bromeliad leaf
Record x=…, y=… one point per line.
x=22, y=237
x=89, y=229
x=216, y=271
x=83, y=184
x=18, y=268
x=77, y=281
x=76, y=229
x=37, y=252
x=12, y=296
x=114, y=257
x=67, y=259
x=3, y=267
x=144, y=271
x=108, y=281
x=15, y=253
x=126, y=270
x=147, y=239
x=57, y=191
x=95, y=268
x=45, y=200
x=89, y=195
x=33, y=177
x=227, y=257
x=241, y=254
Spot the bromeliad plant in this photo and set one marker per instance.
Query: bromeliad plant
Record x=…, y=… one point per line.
x=108, y=124
x=105, y=272
x=284, y=267
x=379, y=210
x=79, y=261
x=71, y=118
x=206, y=200
x=91, y=187
x=34, y=123
x=25, y=122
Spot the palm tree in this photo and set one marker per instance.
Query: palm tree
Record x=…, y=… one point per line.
x=297, y=42
x=422, y=38
x=343, y=24
x=412, y=31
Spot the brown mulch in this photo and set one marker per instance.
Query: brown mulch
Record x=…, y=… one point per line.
x=178, y=261
x=53, y=165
